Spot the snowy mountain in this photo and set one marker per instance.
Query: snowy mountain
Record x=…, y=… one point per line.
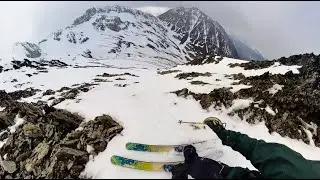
x=245, y=52
x=114, y=33
x=75, y=119
x=198, y=33
x=73, y=100
x=122, y=36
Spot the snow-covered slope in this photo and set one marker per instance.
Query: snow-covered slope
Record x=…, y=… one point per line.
x=143, y=104
x=117, y=34
x=126, y=37
x=199, y=34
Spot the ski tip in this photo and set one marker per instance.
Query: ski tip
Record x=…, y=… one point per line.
x=136, y=146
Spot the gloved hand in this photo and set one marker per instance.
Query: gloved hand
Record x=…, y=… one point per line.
x=197, y=167
x=214, y=123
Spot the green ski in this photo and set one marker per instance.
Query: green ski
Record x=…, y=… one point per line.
x=142, y=165
x=158, y=148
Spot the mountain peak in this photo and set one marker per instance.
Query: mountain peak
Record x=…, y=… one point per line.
x=114, y=8
x=198, y=32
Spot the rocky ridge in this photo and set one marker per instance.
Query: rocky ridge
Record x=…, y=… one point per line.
x=288, y=104
x=50, y=143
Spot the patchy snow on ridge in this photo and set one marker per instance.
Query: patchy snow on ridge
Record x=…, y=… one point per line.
x=149, y=113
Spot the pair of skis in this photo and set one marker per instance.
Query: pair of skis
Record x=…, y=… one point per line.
x=150, y=166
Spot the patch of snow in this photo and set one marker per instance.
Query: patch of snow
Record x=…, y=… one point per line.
x=89, y=149
x=309, y=135
x=275, y=88
x=2, y=108
x=240, y=104
x=3, y=142
x=269, y=110
x=18, y=121
x=312, y=126
x=79, y=129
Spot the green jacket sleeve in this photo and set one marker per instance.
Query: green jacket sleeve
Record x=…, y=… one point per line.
x=273, y=160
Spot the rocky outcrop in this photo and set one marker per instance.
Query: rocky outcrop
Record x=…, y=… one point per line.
x=52, y=143
x=287, y=103
x=31, y=50
x=192, y=75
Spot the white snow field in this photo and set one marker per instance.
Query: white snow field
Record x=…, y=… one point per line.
x=149, y=113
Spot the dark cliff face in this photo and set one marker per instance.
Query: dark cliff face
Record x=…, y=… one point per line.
x=200, y=34
x=245, y=52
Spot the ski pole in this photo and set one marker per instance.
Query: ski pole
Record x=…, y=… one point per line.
x=185, y=122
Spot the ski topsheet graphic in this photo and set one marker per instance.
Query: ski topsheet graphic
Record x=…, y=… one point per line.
x=143, y=165
x=159, y=148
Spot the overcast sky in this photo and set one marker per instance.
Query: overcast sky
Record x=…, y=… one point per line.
x=275, y=28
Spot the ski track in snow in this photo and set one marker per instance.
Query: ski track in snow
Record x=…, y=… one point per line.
x=150, y=114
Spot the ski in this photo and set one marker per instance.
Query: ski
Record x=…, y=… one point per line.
x=159, y=148
x=143, y=165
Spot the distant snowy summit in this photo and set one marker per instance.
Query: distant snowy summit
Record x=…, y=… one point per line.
x=123, y=36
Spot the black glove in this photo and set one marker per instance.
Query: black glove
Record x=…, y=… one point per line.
x=214, y=123
x=197, y=167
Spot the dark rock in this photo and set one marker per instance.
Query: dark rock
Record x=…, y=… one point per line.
x=49, y=92
x=57, y=101
x=192, y=74
x=198, y=83
x=4, y=136
x=16, y=95
x=168, y=72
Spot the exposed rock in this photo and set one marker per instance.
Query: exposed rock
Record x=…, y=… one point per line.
x=113, y=75
x=4, y=135
x=101, y=80
x=14, y=80
x=168, y=72
x=120, y=79
x=192, y=74
x=297, y=97
x=8, y=166
x=16, y=95
x=48, y=92
x=48, y=146
x=121, y=85
x=198, y=83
